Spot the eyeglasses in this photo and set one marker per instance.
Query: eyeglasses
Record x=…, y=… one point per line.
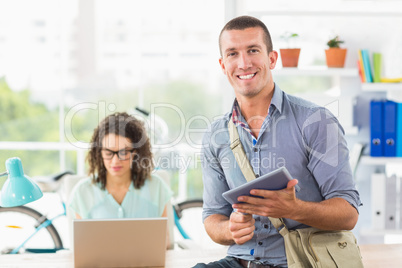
x=123, y=154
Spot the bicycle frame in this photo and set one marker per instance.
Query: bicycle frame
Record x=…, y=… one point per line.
x=179, y=227
x=46, y=223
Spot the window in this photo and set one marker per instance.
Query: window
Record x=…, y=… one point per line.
x=91, y=58
x=98, y=57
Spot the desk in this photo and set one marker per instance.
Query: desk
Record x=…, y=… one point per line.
x=389, y=256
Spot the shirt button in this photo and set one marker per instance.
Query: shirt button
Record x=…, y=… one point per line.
x=260, y=243
x=120, y=213
x=266, y=226
x=255, y=149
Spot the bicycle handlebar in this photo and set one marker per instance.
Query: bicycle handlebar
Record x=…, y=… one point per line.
x=144, y=112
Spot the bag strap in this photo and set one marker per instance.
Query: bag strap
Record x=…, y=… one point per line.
x=238, y=151
x=244, y=164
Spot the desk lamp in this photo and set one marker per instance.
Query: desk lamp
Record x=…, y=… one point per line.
x=18, y=189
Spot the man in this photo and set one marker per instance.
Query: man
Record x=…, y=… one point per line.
x=275, y=129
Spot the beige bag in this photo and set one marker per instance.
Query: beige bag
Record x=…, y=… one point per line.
x=311, y=247
x=308, y=247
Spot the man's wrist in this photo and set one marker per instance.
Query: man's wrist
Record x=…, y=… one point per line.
x=298, y=211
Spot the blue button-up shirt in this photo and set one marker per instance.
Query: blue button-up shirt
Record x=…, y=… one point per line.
x=305, y=138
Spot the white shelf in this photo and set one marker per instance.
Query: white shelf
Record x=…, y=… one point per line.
x=369, y=160
x=321, y=71
x=381, y=232
x=316, y=71
x=351, y=130
x=380, y=87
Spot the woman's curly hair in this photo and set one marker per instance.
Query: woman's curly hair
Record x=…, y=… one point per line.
x=125, y=125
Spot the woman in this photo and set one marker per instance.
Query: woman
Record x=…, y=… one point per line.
x=120, y=183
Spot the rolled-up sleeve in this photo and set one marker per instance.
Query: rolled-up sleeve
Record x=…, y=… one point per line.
x=329, y=158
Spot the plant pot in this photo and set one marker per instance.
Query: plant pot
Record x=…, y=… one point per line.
x=290, y=56
x=335, y=57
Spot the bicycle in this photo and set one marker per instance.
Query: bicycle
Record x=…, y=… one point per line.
x=158, y=132
x=182, y=208
x=29, y=222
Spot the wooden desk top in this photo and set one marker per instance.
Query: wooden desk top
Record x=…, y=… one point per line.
x=383, y=255
x=389, y=255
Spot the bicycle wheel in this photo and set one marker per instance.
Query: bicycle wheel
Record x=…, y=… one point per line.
x=188, y=221
x=18, y=223
x=188, y=204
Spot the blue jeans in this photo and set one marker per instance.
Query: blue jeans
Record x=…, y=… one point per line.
x=228, y=262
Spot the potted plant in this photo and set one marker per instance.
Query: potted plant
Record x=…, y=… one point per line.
x=289, y=56
x=335, y=55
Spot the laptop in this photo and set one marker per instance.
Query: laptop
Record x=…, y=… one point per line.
x=139, y=242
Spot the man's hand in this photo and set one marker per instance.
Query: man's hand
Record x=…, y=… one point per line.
x=241, y=226
x=331, y=214
x=277, y=204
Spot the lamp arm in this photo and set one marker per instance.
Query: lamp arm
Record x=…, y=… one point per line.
x=3, y=174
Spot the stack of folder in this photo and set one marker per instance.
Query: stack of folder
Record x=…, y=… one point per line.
x=386, y=201
x=385, y=128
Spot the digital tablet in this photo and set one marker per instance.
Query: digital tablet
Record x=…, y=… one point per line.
x=275, y=180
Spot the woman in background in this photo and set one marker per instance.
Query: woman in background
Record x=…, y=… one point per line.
x=120, y=183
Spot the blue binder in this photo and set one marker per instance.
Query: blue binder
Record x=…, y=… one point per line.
x=399, y=131
x=390, y=128
x=376, y=127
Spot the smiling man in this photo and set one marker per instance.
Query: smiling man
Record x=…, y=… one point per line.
x=275, y=129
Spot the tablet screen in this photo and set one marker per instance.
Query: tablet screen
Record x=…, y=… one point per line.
x=275, y=180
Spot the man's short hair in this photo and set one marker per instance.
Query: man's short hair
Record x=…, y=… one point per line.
x=244, y=22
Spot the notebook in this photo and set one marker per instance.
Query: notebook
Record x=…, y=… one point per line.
x=132, y=242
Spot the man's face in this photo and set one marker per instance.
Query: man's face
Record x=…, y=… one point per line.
x=246, y=62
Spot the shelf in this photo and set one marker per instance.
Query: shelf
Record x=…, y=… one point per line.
x=351, y=130
x=381, y=232
x=368, y=160
x=380, y=87
x=316, y=71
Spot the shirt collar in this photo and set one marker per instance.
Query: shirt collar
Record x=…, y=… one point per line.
x=130, y=188
x=276, y=102
x=237, y=117
x=277, y=98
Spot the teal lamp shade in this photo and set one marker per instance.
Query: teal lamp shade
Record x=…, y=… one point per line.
x=18, y=189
